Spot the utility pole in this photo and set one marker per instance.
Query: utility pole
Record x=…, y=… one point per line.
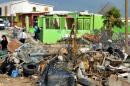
x=126, y=26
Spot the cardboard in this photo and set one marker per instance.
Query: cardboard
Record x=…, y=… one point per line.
x=13, y=45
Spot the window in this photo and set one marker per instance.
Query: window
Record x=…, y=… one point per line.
x=56, y=23
x=34, y=9
x=35, y=20
x=53, y=23
x=83, y=24
x=87, y=24
x=69, y=22
x=80, y=24
x=0, y=11
x=47, y=23
x=46, y=9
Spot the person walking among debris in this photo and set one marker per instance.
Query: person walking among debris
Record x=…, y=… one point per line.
x=14, y=32
x=36, y=32
x=4, y=44
x=22, y=36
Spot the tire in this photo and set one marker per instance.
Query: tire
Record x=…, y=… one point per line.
x=29, y=69
x=119, y=53
x=115, y=54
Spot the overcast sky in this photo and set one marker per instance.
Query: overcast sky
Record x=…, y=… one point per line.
x=81, y=5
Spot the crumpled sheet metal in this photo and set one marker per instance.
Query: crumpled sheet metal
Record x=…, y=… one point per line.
x=26, y=50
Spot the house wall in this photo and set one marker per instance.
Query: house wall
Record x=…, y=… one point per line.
x=2, y=6
x=98, y=21
x=23, y=7
x=39, y=8
x=26, y=7
x=19, y=8
x=122, y=29
x=51, y=35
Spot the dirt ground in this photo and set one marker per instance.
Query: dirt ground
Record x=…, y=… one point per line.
x=19, y=81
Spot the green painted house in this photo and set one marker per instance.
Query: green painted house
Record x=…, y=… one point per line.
x=57, y=24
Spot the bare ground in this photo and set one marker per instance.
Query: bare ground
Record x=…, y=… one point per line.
x=19, y=81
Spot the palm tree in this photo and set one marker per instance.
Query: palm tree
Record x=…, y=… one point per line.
x=112, y=18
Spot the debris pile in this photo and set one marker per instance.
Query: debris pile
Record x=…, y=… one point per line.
x=66, y=65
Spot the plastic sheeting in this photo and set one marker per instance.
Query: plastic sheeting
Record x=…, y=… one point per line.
x=56, y=75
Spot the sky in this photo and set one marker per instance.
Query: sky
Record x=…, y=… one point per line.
x=82, y=5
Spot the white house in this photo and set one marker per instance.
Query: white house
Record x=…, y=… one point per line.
x=22, y=6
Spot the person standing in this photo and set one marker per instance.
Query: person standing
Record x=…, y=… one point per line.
x=14, y=32
x=22, y=36
x=36, y=32
x=4, y=43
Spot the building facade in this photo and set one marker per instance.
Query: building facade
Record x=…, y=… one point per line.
x=58, y=24
x=22, y=6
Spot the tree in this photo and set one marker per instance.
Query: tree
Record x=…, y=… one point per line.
x=112, y=18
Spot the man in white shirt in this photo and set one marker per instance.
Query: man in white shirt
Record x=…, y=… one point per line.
x=22, y=36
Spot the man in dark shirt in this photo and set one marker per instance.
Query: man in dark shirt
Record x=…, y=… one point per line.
x=4, y=43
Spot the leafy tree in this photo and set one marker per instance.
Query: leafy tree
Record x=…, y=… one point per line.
x=112, y=18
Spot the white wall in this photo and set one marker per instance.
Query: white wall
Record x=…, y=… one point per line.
x=40, y=8
x=26, y=7
x=23, y=7
x=3, y=8
x=19, y=8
